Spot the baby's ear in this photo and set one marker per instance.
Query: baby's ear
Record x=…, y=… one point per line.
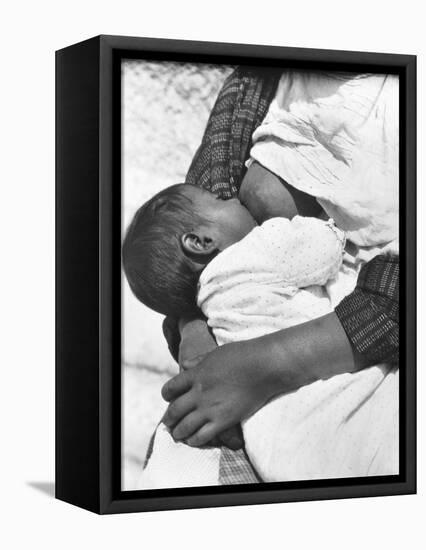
x=198, y=244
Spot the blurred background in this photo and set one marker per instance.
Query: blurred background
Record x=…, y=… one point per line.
x=164, y=113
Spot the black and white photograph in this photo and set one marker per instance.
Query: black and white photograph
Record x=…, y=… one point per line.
x=213, y=264
x=260, y=279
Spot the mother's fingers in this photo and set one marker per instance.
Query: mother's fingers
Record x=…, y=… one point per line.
x=176, y=386
x=203, y=436
x=179, y=408
x=188, y=426
x=232, y=438
x=191, y=363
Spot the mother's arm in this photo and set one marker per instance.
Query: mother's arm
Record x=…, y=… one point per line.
x=235, y=380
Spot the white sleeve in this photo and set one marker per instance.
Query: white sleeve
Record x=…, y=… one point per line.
x=309, y=251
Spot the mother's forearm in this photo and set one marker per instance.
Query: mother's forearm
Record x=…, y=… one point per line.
x=300, y=355
x=282, y=361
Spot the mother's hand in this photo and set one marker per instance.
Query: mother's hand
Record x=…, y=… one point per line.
x=228, y=385
x=235, y=380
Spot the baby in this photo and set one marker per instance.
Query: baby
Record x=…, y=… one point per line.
x=187, y=249
x=180, y=230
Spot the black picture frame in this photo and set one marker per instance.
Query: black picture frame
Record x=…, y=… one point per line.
x=88, y=303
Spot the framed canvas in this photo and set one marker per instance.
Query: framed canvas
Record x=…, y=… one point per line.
x=257, y=205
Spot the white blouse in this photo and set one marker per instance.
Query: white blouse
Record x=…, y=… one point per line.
x=335, y=136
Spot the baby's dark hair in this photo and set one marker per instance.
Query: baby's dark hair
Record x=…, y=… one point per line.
x=157, y=269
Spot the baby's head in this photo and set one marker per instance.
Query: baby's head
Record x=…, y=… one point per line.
x=172, y=238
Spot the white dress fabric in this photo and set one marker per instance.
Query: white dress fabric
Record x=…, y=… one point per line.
x=282, y=274
x=335, y=136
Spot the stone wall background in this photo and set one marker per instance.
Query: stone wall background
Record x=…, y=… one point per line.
x=164, y=113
